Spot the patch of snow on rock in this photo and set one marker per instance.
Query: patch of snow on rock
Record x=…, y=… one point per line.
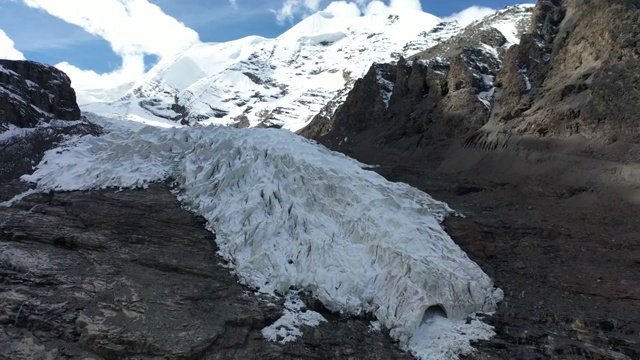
x=287, y=328
x=525, y=77
x=386, y=88
x=452, y=335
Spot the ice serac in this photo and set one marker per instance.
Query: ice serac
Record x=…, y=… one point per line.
x=280, y=82
x=289, y=214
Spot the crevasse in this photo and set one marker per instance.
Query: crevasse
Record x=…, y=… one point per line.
x=289, y=213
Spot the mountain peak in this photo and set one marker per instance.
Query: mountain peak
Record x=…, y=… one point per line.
x=281, y=82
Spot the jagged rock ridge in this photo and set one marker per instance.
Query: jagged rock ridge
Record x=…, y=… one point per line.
x=560, y=81
x=31, y=92
x=565, y=80
x=306, y=71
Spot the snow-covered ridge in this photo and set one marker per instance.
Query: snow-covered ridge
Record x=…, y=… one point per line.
x=283, y=81
x=509, y=21
x=287, y=80
x=289, y=214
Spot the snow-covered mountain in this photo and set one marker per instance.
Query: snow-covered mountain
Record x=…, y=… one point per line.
x=284, y=81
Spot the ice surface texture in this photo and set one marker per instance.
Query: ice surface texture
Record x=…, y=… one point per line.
x=289, y=213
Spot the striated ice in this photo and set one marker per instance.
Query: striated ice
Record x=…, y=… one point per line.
x=287, y=327
x=289, y=213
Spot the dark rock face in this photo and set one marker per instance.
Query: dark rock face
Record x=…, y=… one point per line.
x=428, y=101
x=577, y=72
x=564, y=256
x=544, y=170
x=574, y=73
x=38, y=100
x=435, y=93
x=31, y=92
x=129, y=274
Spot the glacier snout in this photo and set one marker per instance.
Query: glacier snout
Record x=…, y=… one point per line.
x=290, y=214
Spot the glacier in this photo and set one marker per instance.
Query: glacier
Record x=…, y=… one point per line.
x=291, y=215
x=287, y=80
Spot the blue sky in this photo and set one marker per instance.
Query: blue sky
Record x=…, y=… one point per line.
x=43, y=30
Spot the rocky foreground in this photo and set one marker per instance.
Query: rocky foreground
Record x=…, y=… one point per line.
x=567, y=259
x=129, y=274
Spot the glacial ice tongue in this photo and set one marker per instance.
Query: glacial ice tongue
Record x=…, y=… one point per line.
x=289, y=213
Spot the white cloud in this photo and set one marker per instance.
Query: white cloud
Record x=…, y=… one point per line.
x=405, y=5
x=133, y=28
x=131, y=69
x=471, y=14
x=394, y=7
x=234, y=3
x=343, y=9
x=7, y=49
x=294, y=9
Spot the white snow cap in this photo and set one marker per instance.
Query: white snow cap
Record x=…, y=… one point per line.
x=287, y=80
x=133, y=28
x=290, y=214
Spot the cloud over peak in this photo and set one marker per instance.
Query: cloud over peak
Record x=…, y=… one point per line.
x=291, y=9
x=294, y=9
x=133, y=28
x=7, y=48
x=471, y=14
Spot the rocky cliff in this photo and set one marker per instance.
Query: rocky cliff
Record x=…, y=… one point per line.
x=576, y=72
x=571, y=85
x=446, y=88
x=31, y=92
x=37, y=110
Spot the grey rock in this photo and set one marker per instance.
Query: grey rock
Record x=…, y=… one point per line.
x=31, y=92
x=582, y=62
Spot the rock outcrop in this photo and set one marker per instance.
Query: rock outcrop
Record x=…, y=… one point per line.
x=115, y=274
x=571, y=85
x=576, y=72
x=37, y=111
x=538, y=145
x=443, y=91
x=31, y=92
